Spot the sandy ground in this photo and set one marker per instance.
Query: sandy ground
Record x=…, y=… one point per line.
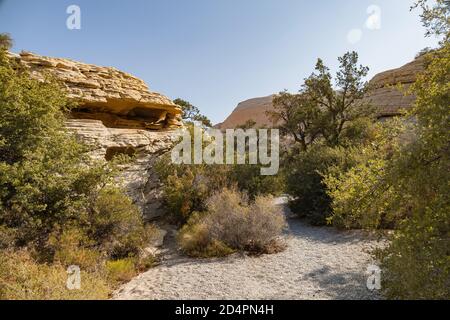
x=319, y=263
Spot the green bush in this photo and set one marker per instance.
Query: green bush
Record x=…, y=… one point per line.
x=408, y=188
x=417, y=263
x=248, y=179
x=72, y=247
x=359, y=199
x=122, y=270
x=47, y=180
x=117, y=225
x=305, y=183
x=195, y=240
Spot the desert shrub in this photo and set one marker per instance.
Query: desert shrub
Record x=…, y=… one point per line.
x=121, y=270
x=187, y=187
x=7, y=237
x=304, y=182
x=146, y=262
x=359, y=199
x=72, y=247
x=248, y=179
x=185, y=194
x=47, y=180
x=116, y=224
x=417, y=263
x=231, y=221
x=240, y=224
x=309, y=172
x=195, y=240
x=21, y=278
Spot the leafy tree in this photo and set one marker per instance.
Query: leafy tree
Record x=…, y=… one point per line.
x=5, y=41
x=192, y=113
x=435, y=17
x=411, y=184
x=321, y=110
x=321, y=120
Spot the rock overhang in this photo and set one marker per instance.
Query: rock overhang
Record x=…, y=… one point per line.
x=106, y=92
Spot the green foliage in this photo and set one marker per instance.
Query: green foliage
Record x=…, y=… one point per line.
x=408, y=187
x=5, y=41
x=248, y=179
x=325, y=122
x=305, y=179
x=192, y=113
x=355, y=188
x=195, y=240
x=54, y=200
x=43, y=184
x=73, y=247
x=321, y=111
x=187, y=187
x=435, y=17
x=116, y=224
x=122, y=270
x=417, y=263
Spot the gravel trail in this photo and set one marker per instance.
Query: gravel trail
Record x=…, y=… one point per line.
x=319, y=263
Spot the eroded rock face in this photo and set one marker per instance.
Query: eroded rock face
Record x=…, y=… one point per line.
x=117, y=114
x=105, y=93
x=385, y=95
x=147, y=147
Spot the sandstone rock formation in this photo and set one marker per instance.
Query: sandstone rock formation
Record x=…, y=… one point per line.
x=253, y=109
x=117, y=98
x=385, y=96
x=117, y=114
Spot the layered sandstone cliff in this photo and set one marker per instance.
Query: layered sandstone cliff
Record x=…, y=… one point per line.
x=116, y=113
x=104, y=93
x=385, y=96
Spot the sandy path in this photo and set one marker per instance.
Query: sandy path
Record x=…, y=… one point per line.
x=319, y=263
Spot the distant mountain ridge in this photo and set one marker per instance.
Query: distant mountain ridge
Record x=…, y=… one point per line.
x=387, y=99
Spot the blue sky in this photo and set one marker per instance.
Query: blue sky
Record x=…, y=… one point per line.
x=216, y=53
